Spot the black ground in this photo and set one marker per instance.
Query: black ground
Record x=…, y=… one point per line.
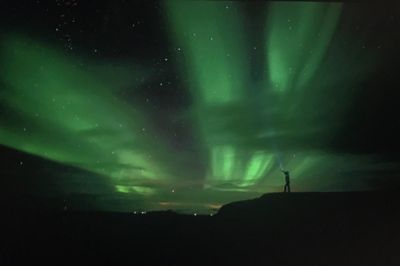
x=352, y=228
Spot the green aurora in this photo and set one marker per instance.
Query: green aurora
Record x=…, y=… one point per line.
x=69, y=109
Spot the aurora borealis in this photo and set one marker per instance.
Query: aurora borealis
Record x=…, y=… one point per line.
x=188, y=105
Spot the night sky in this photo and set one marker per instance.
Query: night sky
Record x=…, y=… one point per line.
x=187, y=105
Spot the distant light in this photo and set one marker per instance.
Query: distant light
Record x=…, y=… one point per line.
x=173, y=191
x=143, y=212
x=134, y=212
x=195, y=214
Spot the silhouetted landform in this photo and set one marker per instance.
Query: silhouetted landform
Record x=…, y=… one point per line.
x=347, y=228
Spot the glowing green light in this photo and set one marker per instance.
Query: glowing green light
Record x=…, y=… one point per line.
x=298, y=35
x=70, y=114
x=208, y=35
x=259, y=164
x=254, y=101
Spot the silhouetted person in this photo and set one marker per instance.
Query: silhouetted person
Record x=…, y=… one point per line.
x=286, y=188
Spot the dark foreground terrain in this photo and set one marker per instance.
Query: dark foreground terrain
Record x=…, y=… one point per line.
x=353, y=228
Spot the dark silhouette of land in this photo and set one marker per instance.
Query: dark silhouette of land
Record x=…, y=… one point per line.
x=342, y=228
x=346, y=228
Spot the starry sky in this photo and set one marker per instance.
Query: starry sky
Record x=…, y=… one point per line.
x=187, y=105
